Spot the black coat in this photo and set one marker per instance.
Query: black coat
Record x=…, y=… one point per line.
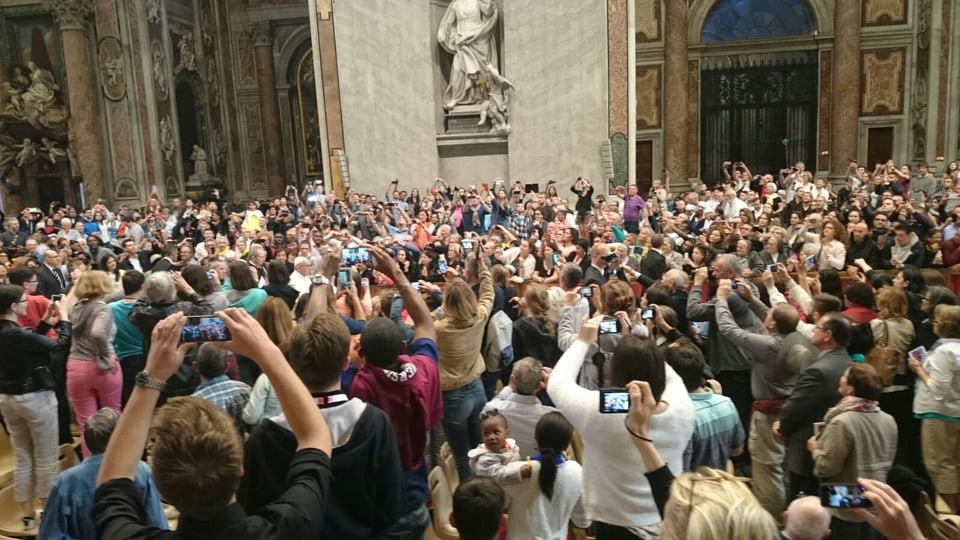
x=48, y=284
x=653, y=265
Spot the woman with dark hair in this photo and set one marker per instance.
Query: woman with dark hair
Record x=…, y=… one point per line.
x=278, y=276
x=859, y=302
x=545, y=505
x=27, y=399
x=830, y=282
x=244, y=292
x=910, y=279
x=203, y=283
x=109, y=265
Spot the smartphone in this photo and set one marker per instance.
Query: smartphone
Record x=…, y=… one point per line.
x=647, y=313
x=415, y=285
x=614, y=400
x=467, y=244
x=773, y=268
x=352, y=256
x=209, y=274
x=586, y=292
x=638, y=250
x=201, y=328
x=556, y=259
x=843, y=496
x=344, y=277
x=610, y=325
x=734, y=285
x=918, y=354
x=811, y=262
x=442, y=265
x=818, y=428
x=56, y=298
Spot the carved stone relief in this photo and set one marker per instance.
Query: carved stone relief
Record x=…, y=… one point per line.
x=111, y=69
x=882, y=81
x=884, y=12
x=921, y=82
x=159, y=71
x=167, y=144
x=247, y=67
x=126, y=189
x=153, y=11
x=70, y=13
x=213, y=82
x=187, y=53
x=648, y=97
x=172, y=186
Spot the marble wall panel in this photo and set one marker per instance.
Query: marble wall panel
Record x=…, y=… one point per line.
x=386, y=91
x=946, y=18
x=649, y=92
x=254, y=155
x=693, y=118
x=559, y=114
x=648, y=20
x=884, y=12
x=882, y=81
x=246, y=64
x=618, y=65
x=823, y=128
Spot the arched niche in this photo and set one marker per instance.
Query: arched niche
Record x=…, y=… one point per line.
x=822, y=11
x=191, y=117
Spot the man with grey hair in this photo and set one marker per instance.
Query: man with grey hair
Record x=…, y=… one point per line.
x=519, y=404
x=227, y=395
x=806, y=519
x=257, y=258
x=69, y=509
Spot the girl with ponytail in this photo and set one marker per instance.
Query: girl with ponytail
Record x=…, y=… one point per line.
x=542, y=508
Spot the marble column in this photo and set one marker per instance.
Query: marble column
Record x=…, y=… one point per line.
x=675, y=90
x=846, y=87
x=84, y=134
x=262, y=37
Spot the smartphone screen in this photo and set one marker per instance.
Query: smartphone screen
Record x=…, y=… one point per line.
x=647, y=314
x=773, y=268
x=343, y=276
x=614, y=400
x=586, y=292
x=918, y=354
x=811, y=262
x=442, y=265
x=843, y=496
x=352, y=256
x=610, y=325
x=201, y=328
x=556, y=259
x=467, y=244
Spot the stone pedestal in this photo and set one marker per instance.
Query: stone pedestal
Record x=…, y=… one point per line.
x=262, y=38
x=846, y=84
x=464, y=119
x=84, y=134
x=675, y=82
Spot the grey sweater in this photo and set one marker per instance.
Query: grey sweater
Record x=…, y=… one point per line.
x=92, y=328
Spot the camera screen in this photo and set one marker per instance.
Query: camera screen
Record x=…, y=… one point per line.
x=843, y=496
x=614, y=401
x=204, y=328
x=352, y=256
x=646, y=313
x=344, y=277
x=609, y=326
x=586, y=292
x=467, y=244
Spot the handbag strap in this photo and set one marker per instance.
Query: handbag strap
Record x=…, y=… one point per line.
x=886, y=334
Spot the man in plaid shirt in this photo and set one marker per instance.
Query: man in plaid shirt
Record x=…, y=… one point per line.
x=227, y=395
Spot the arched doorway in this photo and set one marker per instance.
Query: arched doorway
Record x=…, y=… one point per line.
x=306, y=118
x=758, y=107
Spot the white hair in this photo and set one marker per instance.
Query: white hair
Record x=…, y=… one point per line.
x=159, y=288
x=806, y=519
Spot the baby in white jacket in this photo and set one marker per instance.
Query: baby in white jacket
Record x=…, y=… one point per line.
x=498, y=455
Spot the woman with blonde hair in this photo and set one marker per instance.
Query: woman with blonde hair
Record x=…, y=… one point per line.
x=459, y=340
x=277, y=321
x=535, y=333
x=94, y=380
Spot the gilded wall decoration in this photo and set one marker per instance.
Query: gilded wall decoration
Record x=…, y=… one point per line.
x=921, y=81
x=648, y=97
x=159, y=62
x=882, y=81
x=112, y=76
x=884, y=12
x=648, y=20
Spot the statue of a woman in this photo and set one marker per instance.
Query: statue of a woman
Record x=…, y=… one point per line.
x=467, y=32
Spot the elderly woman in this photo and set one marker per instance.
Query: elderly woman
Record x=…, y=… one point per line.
x=858, y=440
x=27, y=399
x=937, y=405
x=459, y=340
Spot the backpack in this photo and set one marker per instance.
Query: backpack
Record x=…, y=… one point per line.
x=497, y=348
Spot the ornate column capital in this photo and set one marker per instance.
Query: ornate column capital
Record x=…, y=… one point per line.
x=261, y=34
x=70, y=14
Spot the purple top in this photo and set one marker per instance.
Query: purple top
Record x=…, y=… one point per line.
x=632, y=206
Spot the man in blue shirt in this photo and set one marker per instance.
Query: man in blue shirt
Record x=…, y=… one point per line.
x=69, y=509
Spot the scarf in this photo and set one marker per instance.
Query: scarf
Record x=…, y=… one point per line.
x=851, y=404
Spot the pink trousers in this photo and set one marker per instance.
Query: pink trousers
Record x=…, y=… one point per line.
x=90, y=390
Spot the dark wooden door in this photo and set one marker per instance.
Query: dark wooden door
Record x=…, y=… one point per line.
x=879, y=146
x=644, y=177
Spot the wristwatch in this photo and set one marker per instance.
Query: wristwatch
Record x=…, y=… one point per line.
x=144, y=380
x=320, y=280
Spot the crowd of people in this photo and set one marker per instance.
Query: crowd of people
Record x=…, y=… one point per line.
x=297, y=363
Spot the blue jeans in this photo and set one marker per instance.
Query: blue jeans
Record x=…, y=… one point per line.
x=461, y=422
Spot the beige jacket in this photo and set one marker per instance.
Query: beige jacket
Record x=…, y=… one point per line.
x=459, y=346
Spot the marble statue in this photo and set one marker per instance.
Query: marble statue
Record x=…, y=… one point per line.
x=27, y=154
x=188, y=56
x=159, y=71
x=467, y=32
x=219, y=147
x=153, y=11
x=167, y=144
x=199, y=158
x=50, y=148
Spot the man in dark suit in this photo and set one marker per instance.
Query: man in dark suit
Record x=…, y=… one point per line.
x=170, y=253
x=133, y=258
x=815, y=392
x=653, y=264
x=595, y=274
x=51, y=279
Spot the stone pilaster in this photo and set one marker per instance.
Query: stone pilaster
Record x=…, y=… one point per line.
x=675, y=81
x=845, y=97
x=261, y=35
x=72, y=17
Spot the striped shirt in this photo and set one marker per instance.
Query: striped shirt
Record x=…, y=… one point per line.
x=227, y=395
x=717, y=431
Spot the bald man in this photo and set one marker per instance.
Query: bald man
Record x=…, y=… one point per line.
x=806, y=519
